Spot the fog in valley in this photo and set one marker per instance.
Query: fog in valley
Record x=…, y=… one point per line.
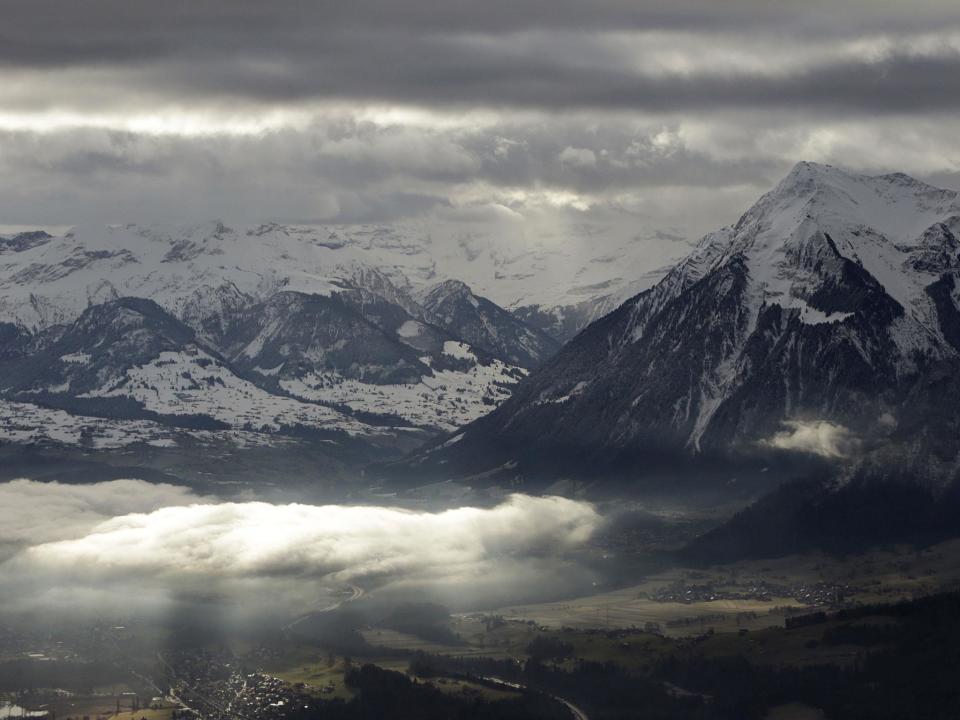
x=514, y=360
x=127, y=546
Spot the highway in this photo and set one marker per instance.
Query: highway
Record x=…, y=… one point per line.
x=356, y=592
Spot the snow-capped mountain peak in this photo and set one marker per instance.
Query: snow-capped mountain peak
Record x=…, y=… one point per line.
x=445, y=291
x=832, y=297
x=895, y=228
x=452, y=305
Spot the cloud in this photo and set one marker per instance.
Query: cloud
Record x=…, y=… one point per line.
x=38, y=512
x=817, y=437
x=166, y=542
x=578, y=157
x=338, y=542
x=640, y=115
x=616, y=54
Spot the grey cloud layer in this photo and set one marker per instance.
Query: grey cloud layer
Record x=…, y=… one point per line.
x=538, y=54
x=50, y=31
x=641, y=116
x=431, y=72
x=32, y=512
x=349, y=171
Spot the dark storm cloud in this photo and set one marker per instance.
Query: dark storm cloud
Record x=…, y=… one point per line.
x=541, y=54
x=54, y=32
x=554, y=113
x=444, y=73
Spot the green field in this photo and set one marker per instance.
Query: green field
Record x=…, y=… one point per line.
x=881, y=576
x=313, y=670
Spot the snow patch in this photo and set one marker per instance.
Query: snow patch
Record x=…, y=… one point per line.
x=77, y=357
x=458, y=350
x=410, y=329
x=181, y=383
x=810, y=315
x=446, y=400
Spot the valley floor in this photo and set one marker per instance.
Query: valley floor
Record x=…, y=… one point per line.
x=754, y=594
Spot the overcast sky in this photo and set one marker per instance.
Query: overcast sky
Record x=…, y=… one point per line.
x=658, y=119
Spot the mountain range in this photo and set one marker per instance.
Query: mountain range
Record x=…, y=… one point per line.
x=824, y=323
x=556, y=285
x=268, y=332
x=826, y=319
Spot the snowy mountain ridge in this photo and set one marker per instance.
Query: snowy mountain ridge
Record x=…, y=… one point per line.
x=818, y=214
x=268, y=330
x=47, y=280
x=834, y=297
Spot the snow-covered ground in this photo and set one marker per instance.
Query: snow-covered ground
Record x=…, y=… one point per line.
x=180, y=383
x=26, y=424
x=446, y=401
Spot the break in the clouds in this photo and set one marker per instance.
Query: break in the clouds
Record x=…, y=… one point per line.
x=168, y=541
x=644, y=117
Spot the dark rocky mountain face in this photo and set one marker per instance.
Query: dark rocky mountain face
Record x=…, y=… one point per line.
x=292, y=334
x=817, y=514
x=832, y=300
x=103, y=342
x=83, y=368
x=396, y=315
x=213, y=312
x=561, y=323
x=24, y=241
x=451, y=305
x=14, y=342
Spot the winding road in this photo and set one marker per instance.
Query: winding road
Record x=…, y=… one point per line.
x=356, y=592
x=578, y=714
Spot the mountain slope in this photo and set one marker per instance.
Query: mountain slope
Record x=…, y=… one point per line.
x=291, y=332
x=819, y=514
x=129, y=358
x=294, y=364
x=452, y=306
x=832, y=299
x=293, y=315
x=370, y=358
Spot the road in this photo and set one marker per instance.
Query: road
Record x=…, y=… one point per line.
x=578, y=714
x=356, y=592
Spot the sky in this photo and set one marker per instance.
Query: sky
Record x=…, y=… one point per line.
x=649, y=120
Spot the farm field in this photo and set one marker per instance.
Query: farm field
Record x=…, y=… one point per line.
x=880, y=576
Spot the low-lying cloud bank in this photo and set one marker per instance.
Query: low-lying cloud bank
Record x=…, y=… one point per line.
x=37, y=512
x=257, y=539
x=817, y=437
x=164, y=540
